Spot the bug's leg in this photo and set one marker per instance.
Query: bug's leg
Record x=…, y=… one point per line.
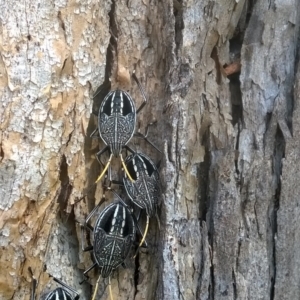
x=86, y=271
x=139, y=215
x=145, y=136
x=99, y=95
x=109, y=177
x=86, y=193
x=95, y=134
x=107, y=185
x=129, y=149
x=141, y=136
x=117, y=182
x=96, y=288
x=86, y=223
x=67, y=287
x=89, y=226
x=142, y=92
x=119, y=198
x=98, y=154
x=83, y=248
x=102, y=88
x=33, y=288
x=125, y=168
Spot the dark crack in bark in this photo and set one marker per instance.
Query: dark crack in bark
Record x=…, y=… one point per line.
x=66, y=187
x=179, y=25
x=278, y=155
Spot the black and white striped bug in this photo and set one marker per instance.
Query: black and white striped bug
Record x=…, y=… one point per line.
x=116, y=120
x=113, y=235
x=144, y=191
x=61, y=293
x=116, y=123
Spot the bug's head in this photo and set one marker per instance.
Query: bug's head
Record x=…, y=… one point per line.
x=106, y=271
x=116, y=149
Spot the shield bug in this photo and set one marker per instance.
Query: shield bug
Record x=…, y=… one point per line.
x=113, y=235
x=144, y=191
x=64, y=292
x=116, y=123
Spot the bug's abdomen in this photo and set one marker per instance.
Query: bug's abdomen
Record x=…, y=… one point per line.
x=144, y=193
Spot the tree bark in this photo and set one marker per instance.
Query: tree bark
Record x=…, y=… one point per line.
x=223, y=85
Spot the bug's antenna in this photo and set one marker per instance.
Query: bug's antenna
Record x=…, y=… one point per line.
x=96, y=288
x=125, y=168
x=144, y=236
x=106, y=167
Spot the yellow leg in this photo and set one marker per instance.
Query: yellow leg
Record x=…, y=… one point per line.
x=110, y=291
x=96, y=288
x=144, y=236
x=125, y=169
x=106, y=167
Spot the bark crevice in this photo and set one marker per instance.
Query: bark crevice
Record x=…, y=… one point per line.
x=66, y=188
x=179, y=24
x=278, y=155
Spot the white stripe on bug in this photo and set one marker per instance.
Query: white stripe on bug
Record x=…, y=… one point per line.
x=65, y=296
x=135, y=168
x=114, y=220
x=122, y=101
x=114, y=241
x=124, y=213
x=115, y=130
x=112, y=102
x=124, y=220
x=145, y=167
x=56, y=294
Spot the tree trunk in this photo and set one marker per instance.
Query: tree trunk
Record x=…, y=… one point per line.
x=223, y=84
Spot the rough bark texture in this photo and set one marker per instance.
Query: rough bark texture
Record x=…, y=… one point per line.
x=224, y=85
